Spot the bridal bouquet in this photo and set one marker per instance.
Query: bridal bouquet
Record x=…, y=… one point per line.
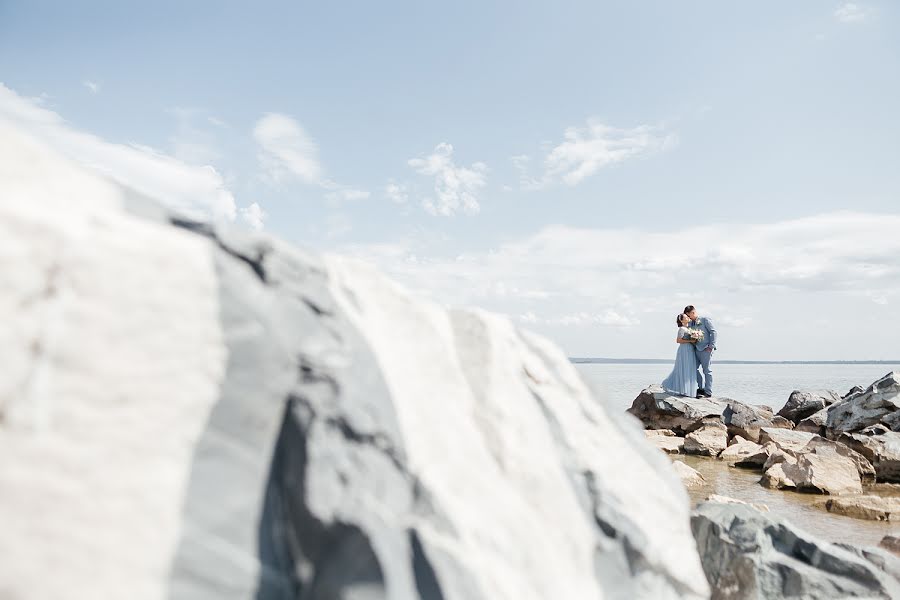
x=694, y=334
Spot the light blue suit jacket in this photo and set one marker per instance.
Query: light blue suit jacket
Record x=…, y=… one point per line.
x=709, y=333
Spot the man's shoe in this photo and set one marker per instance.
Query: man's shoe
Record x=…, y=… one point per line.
x=707, y=394
x=700, y=395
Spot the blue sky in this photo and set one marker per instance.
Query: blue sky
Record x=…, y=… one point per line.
x=584, y=167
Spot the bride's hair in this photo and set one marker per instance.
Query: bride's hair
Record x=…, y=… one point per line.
x=679, y=318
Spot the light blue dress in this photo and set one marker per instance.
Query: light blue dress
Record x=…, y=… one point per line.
x=683, y=378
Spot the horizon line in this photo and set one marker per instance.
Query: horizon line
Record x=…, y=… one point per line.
x=604, y=360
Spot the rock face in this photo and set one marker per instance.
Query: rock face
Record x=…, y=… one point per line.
x=804, y=403
x=747, y=421
x=879, y=403
x=708, y=440
x=740, y=451
x=819, y=469
x=749, y=555
x=785, y=439
x=872, y=508
x=192, y=413
x=657, y=409
x=881, y=447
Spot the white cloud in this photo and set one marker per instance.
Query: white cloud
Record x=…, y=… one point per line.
x=396, y=192
x=606, y=318
x=346, y=194
x=254, y=216
x=92, y=87
x=455, y=187
x=851, y=12
x=586, y=150
x=196, y=191
x=287, y=150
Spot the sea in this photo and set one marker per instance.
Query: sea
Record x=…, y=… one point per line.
x=767, y=384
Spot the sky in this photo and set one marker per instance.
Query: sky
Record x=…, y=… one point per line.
x=586, y=168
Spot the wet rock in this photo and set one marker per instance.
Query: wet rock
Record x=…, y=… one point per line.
x=872, y=508
x=689, y=476
x=708, y=440
x=758, y=459
x=879, y=403
x=823, y=471
x=748, y=555
x=864, y=467
x=804, y=403
x=657, y=409
x=727, y=500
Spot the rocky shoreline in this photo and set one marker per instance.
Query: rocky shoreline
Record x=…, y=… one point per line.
x=843, y=448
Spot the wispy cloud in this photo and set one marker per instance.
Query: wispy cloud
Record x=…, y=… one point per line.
x=287, y=151
x=91, y=86
x=606, y=318
x=190, y=189
x=586, y=150
x=396, y=192
x=254, y=216
x=851, y=12
x=456, y=187
x=348, y=194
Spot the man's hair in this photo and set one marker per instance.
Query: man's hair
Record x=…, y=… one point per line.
x=688, y=308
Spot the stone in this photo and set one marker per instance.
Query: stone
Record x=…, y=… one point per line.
x=804, y=403
x=758, y=459
x=689, y=476
x=657, y=409
x=195, y=412
x=824, y=472
x=750, y=555
x=872, y=508
x=665, y=440
x=785, y=439
x=740, y=451
x=881, y=447
x=891, y=544
x=746, y=420
x=708, y=440
x=856, y=389
x=879, y=403
x=864, y=467
x=815, y=423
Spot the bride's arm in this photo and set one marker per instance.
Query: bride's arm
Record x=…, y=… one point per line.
x=682, y=331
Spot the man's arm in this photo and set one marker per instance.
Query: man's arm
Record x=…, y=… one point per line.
x=712, y=332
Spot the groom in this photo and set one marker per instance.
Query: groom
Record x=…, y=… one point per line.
x=704, y=349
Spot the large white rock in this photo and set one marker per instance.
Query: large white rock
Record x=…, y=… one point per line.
x=192, y=413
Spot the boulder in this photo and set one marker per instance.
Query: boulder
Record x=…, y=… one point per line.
x=804, y=403
x=815, y=423
x=746, y=420
x=657, y=409
x=864, y=467
x=740, y=451
x=856, y=389
x=785, y=439
x=757, y=459
x=824, y=472
x=881, y=447
x=665, y=440
x=872, y=508
x=748, y=555
x=879, y=403
x=193, y=412
x=708, y=440
x=689, y=476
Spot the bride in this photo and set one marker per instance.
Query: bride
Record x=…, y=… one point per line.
x=683, y=378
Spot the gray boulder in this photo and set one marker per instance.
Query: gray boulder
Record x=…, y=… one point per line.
x=194, y=413
x=803, y=403
x=746, y=420
x=748, y=555
x=815, y=423
x=881, y=447
x=657, y=409
x=879, y=403
x=708, y=440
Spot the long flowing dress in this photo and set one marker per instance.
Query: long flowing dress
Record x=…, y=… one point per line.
x=683, y=378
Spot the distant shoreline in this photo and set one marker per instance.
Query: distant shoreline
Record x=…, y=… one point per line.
x=659, y=361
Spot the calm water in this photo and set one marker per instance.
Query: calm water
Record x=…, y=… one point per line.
x=759, y=384
x=754, y=384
